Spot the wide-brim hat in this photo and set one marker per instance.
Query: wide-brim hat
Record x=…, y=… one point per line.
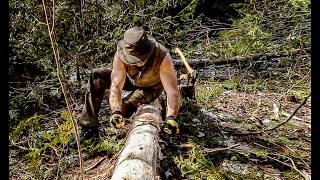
x=136, y=46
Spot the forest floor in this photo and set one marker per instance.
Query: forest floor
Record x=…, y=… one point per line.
x=230, y=100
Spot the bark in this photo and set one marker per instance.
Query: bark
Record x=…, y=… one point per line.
x=138, y=159
x=253, y=57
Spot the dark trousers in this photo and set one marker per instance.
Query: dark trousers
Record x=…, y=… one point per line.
x=99, y=82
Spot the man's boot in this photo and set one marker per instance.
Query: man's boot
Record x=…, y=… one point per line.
x=86, y=133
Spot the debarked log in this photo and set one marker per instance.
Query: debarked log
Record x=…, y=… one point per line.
x=139, y=158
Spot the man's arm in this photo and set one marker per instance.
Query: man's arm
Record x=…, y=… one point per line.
x=118, y=77
x=170, y=84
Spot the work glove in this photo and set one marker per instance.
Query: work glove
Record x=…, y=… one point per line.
x=171, y=126
x=116, y=120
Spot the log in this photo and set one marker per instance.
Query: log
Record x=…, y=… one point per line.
x=221, y=61
x=138, y=159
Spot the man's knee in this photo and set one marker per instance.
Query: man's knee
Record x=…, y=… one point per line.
x=101, y=73
x=100, y=80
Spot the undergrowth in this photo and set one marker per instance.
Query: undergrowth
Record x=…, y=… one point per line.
x=259, y=31
x=196, y=166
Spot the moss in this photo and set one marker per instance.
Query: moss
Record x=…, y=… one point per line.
x=290, y=126
x=260, y=152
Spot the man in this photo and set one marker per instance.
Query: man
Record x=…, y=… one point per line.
x=144, y=67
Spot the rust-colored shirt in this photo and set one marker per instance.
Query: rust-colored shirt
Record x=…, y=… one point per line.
x=149, y=74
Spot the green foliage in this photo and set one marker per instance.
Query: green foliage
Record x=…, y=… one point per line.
x=300, y=94
x=52, y=143
x=261, y=152
x=232, y=83
x=264, y=26
x=205, y=94
x=28, y=40
x=34, y=166
x=292, y=175
x=256, y=85
x=246, y=39
x=29, y=124
x=196, y=166
x=111, y=146
x=301, y=4
x=285, y=140
x=61, y=136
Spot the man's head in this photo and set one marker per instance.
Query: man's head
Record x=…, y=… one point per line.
x=136, y=46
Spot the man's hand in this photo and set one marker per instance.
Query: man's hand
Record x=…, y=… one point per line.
x=171, y=126
x=116, y=120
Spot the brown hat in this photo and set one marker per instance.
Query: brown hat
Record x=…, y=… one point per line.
x=136, y=46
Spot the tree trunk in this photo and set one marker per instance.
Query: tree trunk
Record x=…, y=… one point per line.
x=138, y=159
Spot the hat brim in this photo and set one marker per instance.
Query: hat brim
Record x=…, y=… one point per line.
x=135, y=59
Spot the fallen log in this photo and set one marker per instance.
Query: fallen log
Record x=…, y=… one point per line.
x=253, y=57
x=138, y=159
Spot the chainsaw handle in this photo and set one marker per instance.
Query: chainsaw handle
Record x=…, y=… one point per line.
x=190, y=70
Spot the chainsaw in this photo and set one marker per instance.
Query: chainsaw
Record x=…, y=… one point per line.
x=187, y=81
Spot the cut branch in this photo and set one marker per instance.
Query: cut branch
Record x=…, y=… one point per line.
x=207, y=150
x=253, y=57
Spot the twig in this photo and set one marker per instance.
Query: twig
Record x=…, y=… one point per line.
x=277, y=126
x=295, y=84
x=206, y=150
x=285, y=148
x=52, y=26
x=58, y=171
x=60, y=76
x=264, y=146
x=279, y=161
x=293, y=166
x=294, y=117
x=96, y=164
x=20, y=147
